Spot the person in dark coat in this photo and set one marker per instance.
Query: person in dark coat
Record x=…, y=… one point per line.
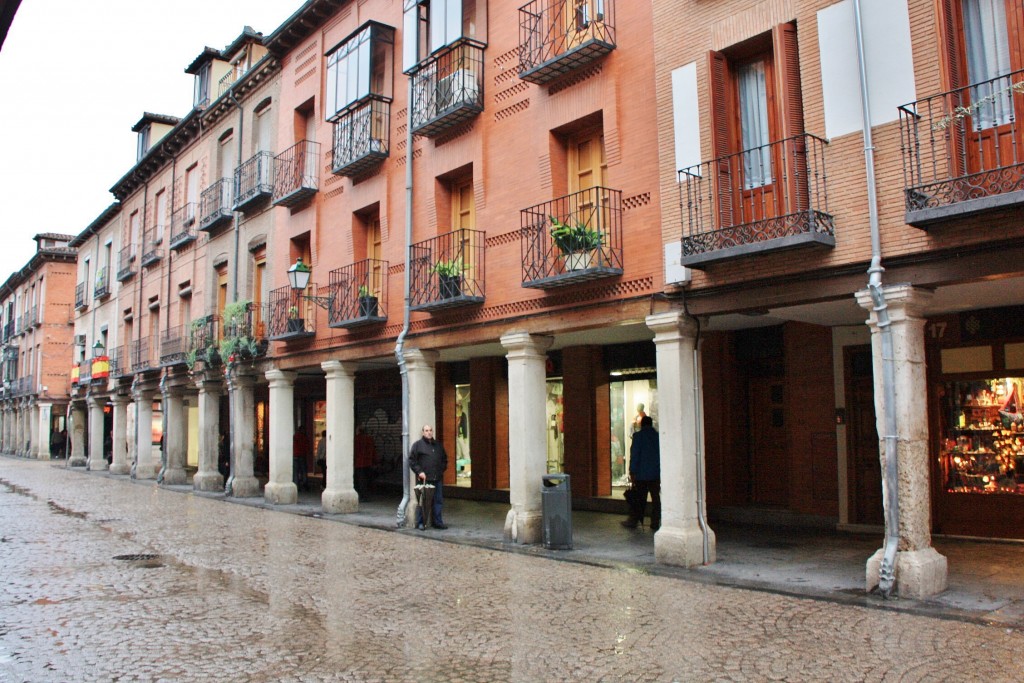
x=428, y=460
x=645, y=471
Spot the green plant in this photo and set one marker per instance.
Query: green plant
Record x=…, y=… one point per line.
x=364, y=291
x=574, y=238
x=449, y=267
x=236, y=332
x=293, y=312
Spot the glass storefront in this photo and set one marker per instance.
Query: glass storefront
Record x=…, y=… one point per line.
x=982, y=433
x=463, y=457
x=630, y=401
x=555, y=429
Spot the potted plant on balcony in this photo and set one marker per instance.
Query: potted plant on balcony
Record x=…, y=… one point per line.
x=295, y=323
x=577, y=242
x=449, y=277
x=367, y=303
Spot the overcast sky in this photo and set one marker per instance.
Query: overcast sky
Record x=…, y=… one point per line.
x=75, y=76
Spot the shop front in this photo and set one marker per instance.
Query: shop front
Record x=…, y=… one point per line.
x=976, y=376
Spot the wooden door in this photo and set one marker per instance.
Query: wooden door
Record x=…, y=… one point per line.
x=863, y=466
x=373, y=253
x=587, y=169
x=464, y=220
x=769, y=456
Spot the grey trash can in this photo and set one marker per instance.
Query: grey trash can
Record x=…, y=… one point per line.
x=556, y=503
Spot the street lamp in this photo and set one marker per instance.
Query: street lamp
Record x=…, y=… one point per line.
x=298, y=279
x=98, y=349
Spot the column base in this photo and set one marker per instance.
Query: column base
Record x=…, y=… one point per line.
x=340, y=501
x=280, y=494
x=919, y=573
x=683, y=546
x=147, y=471
x=208, y=481
x=245, y=487
x=97, y=465
x=524, y=526
x=175, y=477
x=120, y=468
x=76, y=461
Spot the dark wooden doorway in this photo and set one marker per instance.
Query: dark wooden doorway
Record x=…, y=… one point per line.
x=769, y=458
x=863, y=466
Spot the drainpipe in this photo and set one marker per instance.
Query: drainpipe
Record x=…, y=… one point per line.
x=890, y=483
x=237, y=226
x=400, y=344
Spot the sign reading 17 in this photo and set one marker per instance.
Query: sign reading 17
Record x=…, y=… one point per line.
x=938, y=329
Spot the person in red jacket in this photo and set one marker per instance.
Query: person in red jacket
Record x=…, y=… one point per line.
x=364, y=461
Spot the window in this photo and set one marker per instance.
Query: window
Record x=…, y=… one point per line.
x=430, y=25
x=134, y=223
x=143, y=143
x=226, y=160
x=201, y=92
x=191, y=190
x=357, y=68
x=373, y=252
x=988, y=57
x=161, y=215
x=262, y=133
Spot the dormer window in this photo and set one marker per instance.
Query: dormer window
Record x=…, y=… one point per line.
x=201, y=95
x=359, y=67
x=241, y=64
x=143, y=143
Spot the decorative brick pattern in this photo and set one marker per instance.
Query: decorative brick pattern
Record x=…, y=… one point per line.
x=636, y=201
x=583, y=75
x=516, y=108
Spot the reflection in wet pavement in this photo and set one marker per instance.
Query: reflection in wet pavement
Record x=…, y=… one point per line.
x=111, y=580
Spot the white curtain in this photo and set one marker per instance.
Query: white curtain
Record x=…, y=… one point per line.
x=757, y=163
x=988, y=62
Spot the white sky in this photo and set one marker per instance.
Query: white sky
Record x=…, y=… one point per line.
x=75, y=76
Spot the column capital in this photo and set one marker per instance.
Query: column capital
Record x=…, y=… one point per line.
x=240, y=380
x=280, y=378
x=120, y=400
x=672, y=326
x=420, y=358
x=143, y=394
x=520, y=343
x=337, y=368
x=96, y=401
x=903, y=300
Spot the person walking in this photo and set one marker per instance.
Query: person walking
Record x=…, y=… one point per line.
x=428, y=460
x=645, y=472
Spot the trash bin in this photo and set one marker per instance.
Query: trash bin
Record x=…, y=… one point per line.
x=556, y=504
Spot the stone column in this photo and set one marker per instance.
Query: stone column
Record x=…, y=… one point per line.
x=175, y=436
x=208, y=476
x=680, y=540
x=527, y=435
x=19, y=431
x=96, y=460
x=43, y=413
x=419, y=367
x=119, y=457
x=280, y=489
x=33, y=430
x=920, y=570
x=77, y=435
x=146, y=466
x=339, y=495
x=242, y=483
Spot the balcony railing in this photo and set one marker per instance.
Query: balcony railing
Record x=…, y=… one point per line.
x=120, y=365
x=963, y=151
x=19, y=324
x=559, y=36
x=85, y=372
x=254, y=181
x=358, y=294
x=447, y=88
x=80, y=302
x=244, y=334
x=215, y=204
x=33, y=317
x=768, y=198
x=125, y=263
x=151, y=250
x=447, y=271
x=203, y=339
x=361, y=138
x=183, y=226
x=297, y=173
x=9, y=327
x=290, y=316
x=24, y=386
x=102, y=287
x=572, y=239
x=172, y=346
x=140, y=359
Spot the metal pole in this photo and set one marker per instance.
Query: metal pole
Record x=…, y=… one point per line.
x=400, y=344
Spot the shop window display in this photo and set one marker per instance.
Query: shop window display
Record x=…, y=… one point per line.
x=982, y=449
x=463, y=457
x=556, y=436
x=630, y=401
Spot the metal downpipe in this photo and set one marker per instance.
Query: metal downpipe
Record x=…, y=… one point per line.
x=400, y=343
x=890, y=483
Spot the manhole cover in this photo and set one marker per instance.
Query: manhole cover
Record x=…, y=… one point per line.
x=141, y=557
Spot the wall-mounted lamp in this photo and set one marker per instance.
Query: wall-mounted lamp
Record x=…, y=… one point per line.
x=298, y=278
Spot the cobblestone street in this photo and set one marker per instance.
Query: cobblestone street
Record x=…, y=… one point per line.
x=112, y=580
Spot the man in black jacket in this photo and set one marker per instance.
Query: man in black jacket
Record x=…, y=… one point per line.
x=428, y=460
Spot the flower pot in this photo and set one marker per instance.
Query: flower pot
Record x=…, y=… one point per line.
x=296, y=325
x=367, y=306
x=579, y=260
x=450, y=286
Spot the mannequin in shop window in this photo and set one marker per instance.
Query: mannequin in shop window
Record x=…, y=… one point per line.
x=640, y=415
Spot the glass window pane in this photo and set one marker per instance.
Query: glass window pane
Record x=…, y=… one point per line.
x=753, y=96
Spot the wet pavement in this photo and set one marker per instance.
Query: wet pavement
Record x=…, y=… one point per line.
x=108, y=579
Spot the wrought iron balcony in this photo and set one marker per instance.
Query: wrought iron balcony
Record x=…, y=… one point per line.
x=120, y=365
x=85, y=372
x=559, y=36
x=80, y=302
x=140, y=359
x=172, y=346
x=152, y=252
x=447, y=88
x=572, y=239
x=215, y=205
x=290, y=315
x=19, y=324
x=126, y=263
x=361, y=137
x=358, y=294
x=297, y=173
x=254, y=181
x=447, y=271
x=769, y=198
x=203, y=339
x=963, y=151
x=102, y=287
x=245, y=334
x=9, y=329
x=183, y=226
x=33, y=317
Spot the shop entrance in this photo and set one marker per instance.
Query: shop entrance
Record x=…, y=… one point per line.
x=865, y=470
